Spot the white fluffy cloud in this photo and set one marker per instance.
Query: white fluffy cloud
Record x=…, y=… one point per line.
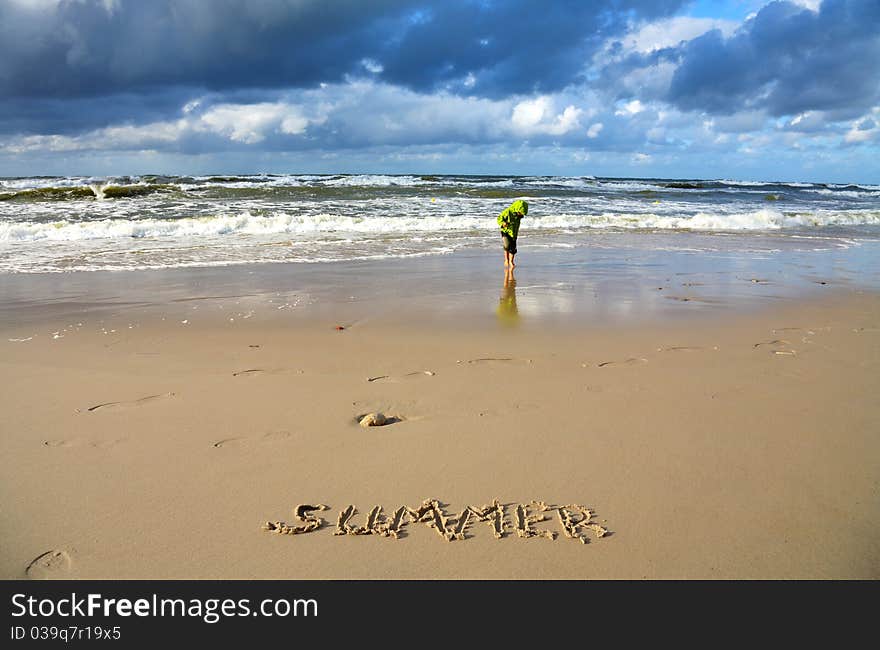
x=357, y=113
x=532, y=116
x=250, y=123
x=630, y=108
x=672, y=31
x=865, y=129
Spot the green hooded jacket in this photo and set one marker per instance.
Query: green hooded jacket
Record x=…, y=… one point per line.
x=510, y=218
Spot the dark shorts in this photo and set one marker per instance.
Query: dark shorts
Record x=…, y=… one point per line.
x=508, y=243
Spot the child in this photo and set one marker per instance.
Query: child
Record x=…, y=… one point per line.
x=509, y=223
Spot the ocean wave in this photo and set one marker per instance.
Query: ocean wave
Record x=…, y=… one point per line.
x=318, y=224
x=315, y=180
x=73, y=192
x=850, y=186
x=244, y=224
x=736, y=183
x=631, y=186
x=42, y=182
x=756, y=220
x=59, y=193
x=849, y=194
x=375, y=180
x=572, y=182
x=765, y=219
x=42, y=189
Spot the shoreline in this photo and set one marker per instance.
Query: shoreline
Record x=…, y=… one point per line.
x=552, y=288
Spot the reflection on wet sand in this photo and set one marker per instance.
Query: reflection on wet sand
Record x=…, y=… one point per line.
x=507, y=311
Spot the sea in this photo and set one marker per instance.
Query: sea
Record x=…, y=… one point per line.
x=78, y=224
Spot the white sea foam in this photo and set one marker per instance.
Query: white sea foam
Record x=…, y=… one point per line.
x=298, y=180
x=573, y=182
x=317, y=224
x=20, y=184
x=375, y=180
x=849, y=194
x=793, y=184
x=629, y=186
x=735, y=183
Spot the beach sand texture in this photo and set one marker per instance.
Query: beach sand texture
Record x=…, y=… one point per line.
x=742, y=447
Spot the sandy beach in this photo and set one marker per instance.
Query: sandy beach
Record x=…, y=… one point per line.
x=713, y=435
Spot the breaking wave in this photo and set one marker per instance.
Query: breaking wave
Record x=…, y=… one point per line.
x=254, y=224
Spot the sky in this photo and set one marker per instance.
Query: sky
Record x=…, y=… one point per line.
x=736, y=89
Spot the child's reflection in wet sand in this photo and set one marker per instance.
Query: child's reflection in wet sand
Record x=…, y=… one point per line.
x=508, y=314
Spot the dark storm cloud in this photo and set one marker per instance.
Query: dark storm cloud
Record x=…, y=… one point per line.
x=509, y=47
x=91, y=47
x=66, y=116
x=785, y=60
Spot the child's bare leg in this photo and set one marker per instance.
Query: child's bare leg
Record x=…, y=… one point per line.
x=512, y=255
x=506, y=258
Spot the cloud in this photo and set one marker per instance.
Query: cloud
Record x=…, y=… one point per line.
x=671, y=31
x=243, y=124
x=69, y=48
x=534, y=116
x=740, y=122
x=630, y=108
x=349, y=115
x=249, y=124
x=786, y=60
x=864, y=130
x=410, y=81
x=157, y=135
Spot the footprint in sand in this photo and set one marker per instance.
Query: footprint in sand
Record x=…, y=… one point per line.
x=776, y=346
x=705, y=301
x=249, y=371
x=108, y=406
x=679, y=348
x=252, y=372
x=69, y=442
x=493, y=360
x=272, y=436
x=51, y=564
x=625, y=362
x=79, y=442
x=519, y=407
x=397, y=378
x=811, y=331
x=774, y=342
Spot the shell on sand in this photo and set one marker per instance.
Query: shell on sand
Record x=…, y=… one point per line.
x=372, y=420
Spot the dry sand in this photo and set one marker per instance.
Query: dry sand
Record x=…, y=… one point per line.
x=742, y=448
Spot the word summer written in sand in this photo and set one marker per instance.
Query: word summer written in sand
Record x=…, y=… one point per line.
x=574, y=520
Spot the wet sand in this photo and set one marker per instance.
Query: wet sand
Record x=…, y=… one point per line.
x=715, y=437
